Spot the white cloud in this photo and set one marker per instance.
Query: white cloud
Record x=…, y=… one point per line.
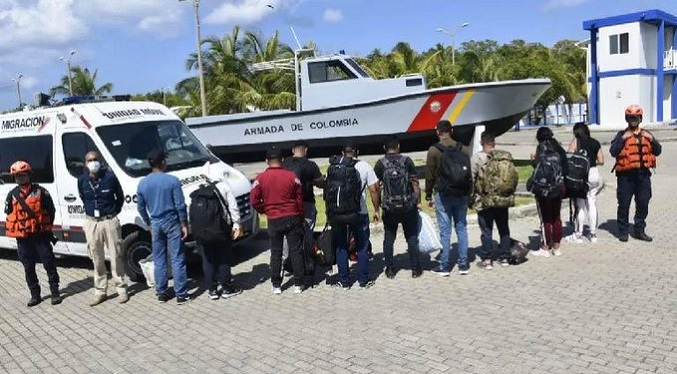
x=554, y=4
x=333, y=15
x=243, y=12
x=44, y=24
x=161, y=17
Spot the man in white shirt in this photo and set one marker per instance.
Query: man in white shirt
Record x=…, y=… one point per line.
x=359, y=226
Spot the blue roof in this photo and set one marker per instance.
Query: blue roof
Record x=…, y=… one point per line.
x=649, y=16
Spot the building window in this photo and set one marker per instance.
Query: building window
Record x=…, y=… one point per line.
x=619, y=44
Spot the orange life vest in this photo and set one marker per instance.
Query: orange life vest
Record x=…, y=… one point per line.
x=20, y=223
x=637, y=153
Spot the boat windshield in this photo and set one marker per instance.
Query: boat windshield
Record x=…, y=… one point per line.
x=357, y=67
x=130, y=143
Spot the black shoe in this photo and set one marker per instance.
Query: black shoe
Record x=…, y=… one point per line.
x=416, y=273
x=390, y=272
x=623, y=237
x=642, y=236
x=344, y=286
x=229, y=291
x=163, y=298
x=213, y=295
x=180, y=300
x=34, y=301
x=56, y=299
x=369, y=284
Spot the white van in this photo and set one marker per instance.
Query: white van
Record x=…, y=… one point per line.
x=55, y=140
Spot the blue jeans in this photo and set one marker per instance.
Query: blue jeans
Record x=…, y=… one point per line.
x=341, y=239
x=167, y=238
x=446, y=209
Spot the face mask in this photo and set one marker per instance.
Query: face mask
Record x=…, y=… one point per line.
x=94, y=166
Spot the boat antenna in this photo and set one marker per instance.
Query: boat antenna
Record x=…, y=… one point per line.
x=296, y=37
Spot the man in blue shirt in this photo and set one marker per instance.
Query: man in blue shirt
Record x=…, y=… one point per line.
x=162, y=207
x=103, y=198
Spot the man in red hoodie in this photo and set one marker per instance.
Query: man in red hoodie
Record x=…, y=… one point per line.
x=278, y=194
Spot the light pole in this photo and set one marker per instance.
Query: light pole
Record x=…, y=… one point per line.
x=452, y=34
x=17, y=80
x=203, y=95
x=67, y=61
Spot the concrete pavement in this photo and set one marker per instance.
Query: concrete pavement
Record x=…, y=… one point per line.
x=603, y=308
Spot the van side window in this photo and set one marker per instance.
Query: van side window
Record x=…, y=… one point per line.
x=36, y=150
x=75, y=146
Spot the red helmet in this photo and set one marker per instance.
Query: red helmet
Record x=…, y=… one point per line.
x=634, y=110
x=20, y=167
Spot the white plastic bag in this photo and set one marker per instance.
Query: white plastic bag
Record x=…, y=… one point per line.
x=428, y=237
x=148, y=270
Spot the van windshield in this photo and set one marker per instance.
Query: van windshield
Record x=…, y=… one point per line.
x=130, y=144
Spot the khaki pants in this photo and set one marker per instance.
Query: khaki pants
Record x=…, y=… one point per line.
x=109, y=233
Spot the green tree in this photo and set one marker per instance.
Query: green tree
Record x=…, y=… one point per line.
x=84, y=84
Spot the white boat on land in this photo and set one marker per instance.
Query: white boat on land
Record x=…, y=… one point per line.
x=337, y=101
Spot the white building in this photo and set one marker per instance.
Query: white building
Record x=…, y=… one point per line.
x=632, y=60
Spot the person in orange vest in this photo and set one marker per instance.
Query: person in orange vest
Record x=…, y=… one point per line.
x=635, y=151
x=30, y=215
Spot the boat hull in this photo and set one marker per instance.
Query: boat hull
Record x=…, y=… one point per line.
x=412, y=118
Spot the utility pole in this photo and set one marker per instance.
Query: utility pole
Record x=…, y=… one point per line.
x=203, y=94
x=67, y=61
x=17, y=80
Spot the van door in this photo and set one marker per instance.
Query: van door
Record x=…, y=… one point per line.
x=37, y=150
x=70, y=161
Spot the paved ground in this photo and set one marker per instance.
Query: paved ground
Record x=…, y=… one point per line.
x=607, y=308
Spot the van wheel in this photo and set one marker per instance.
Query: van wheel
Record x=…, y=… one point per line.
x=137, y=246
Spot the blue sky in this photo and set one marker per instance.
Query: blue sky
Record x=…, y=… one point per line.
x=141, y=45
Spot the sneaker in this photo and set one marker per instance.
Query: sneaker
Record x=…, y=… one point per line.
x=123, y=298
x=541, y=252
x=390, y=272
x=593, y=238
x=229, y=291
x=344, y=286
x=98, y=299
x=642, y=236
x=556, y=252
x=298, y=289
x=34, y=301
x=623, y=237
x=574, y=238
x=180, y=300
x=416, y=273
x=369, y=284
x=504, y=262
x=163, y=298
x=442, y=272
x=56, y=299
x=213, y=295
x=277, y=290
x=486, y=265
x=463, y=270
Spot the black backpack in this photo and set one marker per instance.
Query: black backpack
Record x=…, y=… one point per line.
x=548, y=178
x=343, y=192
x=210, y=220
x=455, y=174
x=398, y=193
x=578, y=168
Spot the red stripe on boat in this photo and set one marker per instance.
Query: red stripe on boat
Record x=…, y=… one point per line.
x=432, y=111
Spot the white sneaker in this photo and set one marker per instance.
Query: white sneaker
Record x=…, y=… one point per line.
x=298, y=289
x=277, y=291
x=574, y=238
x=593, y=238
x=556, y=252
x=541, y=253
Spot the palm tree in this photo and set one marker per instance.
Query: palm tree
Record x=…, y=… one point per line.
x=84, y=84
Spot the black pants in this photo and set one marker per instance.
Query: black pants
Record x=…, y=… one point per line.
x=486, y=219
x=637, y=184
x=215, y=264
x=292, y=228
x=410, y=225
x=36, y=249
